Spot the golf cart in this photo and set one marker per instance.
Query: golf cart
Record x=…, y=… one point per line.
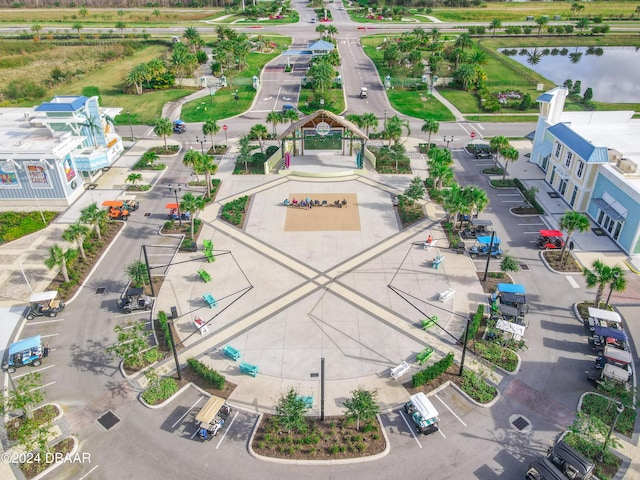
x=45, y=304
x=509, y=302
x=423, y=413
x=482, y=247
x=550, y=239
x=130, y=203
x=179, y=126
x=175, y=213
x=616, y=357
x=134, y=299
x=211, y=417
x=483, y=151
x=602, y=318
x=476, y=227
x=364, y=93
x=29, y=351
x=117, y=210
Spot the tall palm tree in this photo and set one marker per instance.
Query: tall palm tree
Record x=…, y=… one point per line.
x=498, y=143
x=162, y=127
x=431, y=126
x=191, y=159
x=464, y=41
x=193, y=37
x=77, y=27
x=137, y=76
x=602, y=276
x=274, y=118
x=292, y=115
x=36, y=28
x=570, y=222
x=95, y=217
x=356, y=120
x=440, y=173
x=541, y=21
x=452, y=202
x=393, y=129
x=211, y=127
x=77, y=233
x=260, y=132
x=61, y=259
x=476, y=198
x=134, y=178
x=121, y=26
x=193, y=204
x=204, y=164
x=495, y=24
x=510, y=154
x=369, y=120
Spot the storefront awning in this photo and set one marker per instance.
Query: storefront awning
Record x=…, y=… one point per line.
x=611, y=210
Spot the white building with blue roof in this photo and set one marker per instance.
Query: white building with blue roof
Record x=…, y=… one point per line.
x=591, y=161
x=47, y=152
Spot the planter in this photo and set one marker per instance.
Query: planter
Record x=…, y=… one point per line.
x=64, y=451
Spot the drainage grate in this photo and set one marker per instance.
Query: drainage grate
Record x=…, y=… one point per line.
x=148, y=214
x=520, y=423
x=100, y=291
x=315, y=375
x=599, y=232
x=524, y=266
x=553, y=195
x=108, y=420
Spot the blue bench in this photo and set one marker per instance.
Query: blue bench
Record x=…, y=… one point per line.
x=249, y=369
x=231, y=352
x=435, y=263
x=307, y=400
x=211, y=302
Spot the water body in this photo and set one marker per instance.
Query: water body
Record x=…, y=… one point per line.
x=613, y=73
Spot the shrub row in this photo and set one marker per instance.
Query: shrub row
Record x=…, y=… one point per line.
x=529, y=195
x=163, y=322
x=162, y=390
x=206, y=373
x=475, y=322
x=432, y=372
x=233, y=211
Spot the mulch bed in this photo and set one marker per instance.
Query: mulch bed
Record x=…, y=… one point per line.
x=450, y=375
x=190, y=376
x=553, y=259
x=63, y=447
x=491, y=283
x=41, y=415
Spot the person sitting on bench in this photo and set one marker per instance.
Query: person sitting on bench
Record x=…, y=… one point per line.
x=324, y=203
x=286, y=202
x=316, y=203
x=294, y=202
x=429, y=239
x=303, y=204
x=344, y=202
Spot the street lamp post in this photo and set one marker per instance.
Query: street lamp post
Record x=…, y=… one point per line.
x=175, y=190
x=464, y=348
x=201, y=142
x=448, y=140
x=615, y=280
x=619, y=410
x=130, y=126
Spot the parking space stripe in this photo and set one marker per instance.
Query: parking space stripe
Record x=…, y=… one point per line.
x=508, y=195
x=440, y=432
x=187, y=413
x=226, y=430
x=447, y=407
x=51, y=335
x=33, y=371
x=88, y=473
x=42, y=386
x=45, y=321
x=529, y=224
x=571, y=281
x=510, y=201
x=410, y=429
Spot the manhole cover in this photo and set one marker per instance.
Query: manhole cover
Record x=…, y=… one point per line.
x=524, y=266
x=148, y=214
x=108, y=420
x=100, y=291
x=553, y=195
x=520, y=423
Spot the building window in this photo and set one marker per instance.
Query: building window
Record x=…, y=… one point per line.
x=567, y=162
x=545, y=163
x=558, y=148
x=613, y=227
x=574, y=195
x=562, y=187
x=580, y=169
x=553, y=175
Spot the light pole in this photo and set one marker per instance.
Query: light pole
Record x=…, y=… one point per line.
x=448, y=140
x=613, y=283
x=619, y=410
x=464, y=348
x=201, y=142
x=175, y=190
x=130, y=126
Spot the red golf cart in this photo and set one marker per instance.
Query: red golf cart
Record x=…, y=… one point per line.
x=550, y=239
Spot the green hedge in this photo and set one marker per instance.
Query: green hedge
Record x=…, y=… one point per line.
x=206, y=373
x=433, y=372
x=163, y=322
x=529, y=195
x=475, y=322
x=161, y=391
x=233, y=212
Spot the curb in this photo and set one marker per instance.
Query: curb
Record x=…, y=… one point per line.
x=55, y=465
x=478, y=404
x=546, y=264
x=166, y=402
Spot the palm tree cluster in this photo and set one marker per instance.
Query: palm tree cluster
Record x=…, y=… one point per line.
x=467, y=61
x=230, y=50
x=602, y=276
x=502, y=148
x=202, y=164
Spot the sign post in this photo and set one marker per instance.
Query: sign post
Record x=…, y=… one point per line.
x=473, y=135
x=224, y=127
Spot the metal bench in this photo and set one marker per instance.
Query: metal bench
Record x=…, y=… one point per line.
x=231, y=352
x=446, y=295
x=211, y=302
x=249, y=369
x=428, y=245
x=435, y=263
x=204, y=275
x=424, y=355
x=399, y=370
x=429, y=322
x=308, y=400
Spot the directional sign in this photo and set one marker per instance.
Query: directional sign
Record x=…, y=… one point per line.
x=473, y=135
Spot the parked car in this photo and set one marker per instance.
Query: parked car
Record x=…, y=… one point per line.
x=287, y=106
x=544, y=469
x=481, y=247
x=29, y=351
x=134, y=299
x=44, y=304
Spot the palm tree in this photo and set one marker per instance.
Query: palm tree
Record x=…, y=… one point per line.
x=94, y=216
x=332, y=30
x=321, y=29
x=134, y=178
x=162, y=127
x=77, y=27
x=602, y=276
x=245, y=149
x=393, y=129
x=210, y=127
x=570, y=222
x=368, y=120
x=193, y=36
x=452, y=202
x=509, y=263
x=582, y=24
x=291, y=115
x=464, y=41
x=77, y=233
x=260, y=132
x=204, y=164
x=476, y=198
x=137, y=76
x=541, y=21
x=495, y=24
x=431, y=126
x=60, y=258
x=193, y=204
x=466, y=75
x=274, y=118
x=498, y=143
x=137, y=273
x=322, y=75
x=191, y=159
x=121, y=26
x=36, y=28
x=440, y=173
x=510, y=154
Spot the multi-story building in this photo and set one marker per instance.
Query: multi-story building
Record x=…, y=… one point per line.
x=591, y=161
x=48, y=152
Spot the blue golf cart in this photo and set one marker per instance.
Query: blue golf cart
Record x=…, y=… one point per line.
x=29, y=351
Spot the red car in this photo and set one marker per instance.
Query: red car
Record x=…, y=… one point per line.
x=550, y=239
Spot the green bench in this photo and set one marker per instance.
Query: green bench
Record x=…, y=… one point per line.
x=249, y=369
x=204, y=275
x=231, y=352
x=429, y=322
x=307, y=400
x=211, y=302
x=424, y=355
x=208, y=251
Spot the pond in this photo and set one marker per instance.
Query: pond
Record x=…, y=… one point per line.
x=613, y=73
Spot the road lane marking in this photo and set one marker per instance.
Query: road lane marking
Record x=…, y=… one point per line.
x=410, y=430
x=529, y=224
x=571, y=281
x=508, y=195
x=192, y=407
x=226, y=430
x=447, y=407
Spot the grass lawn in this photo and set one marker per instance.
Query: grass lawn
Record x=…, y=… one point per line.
x=503, y=118
x=419, y=104
x=337, y=107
